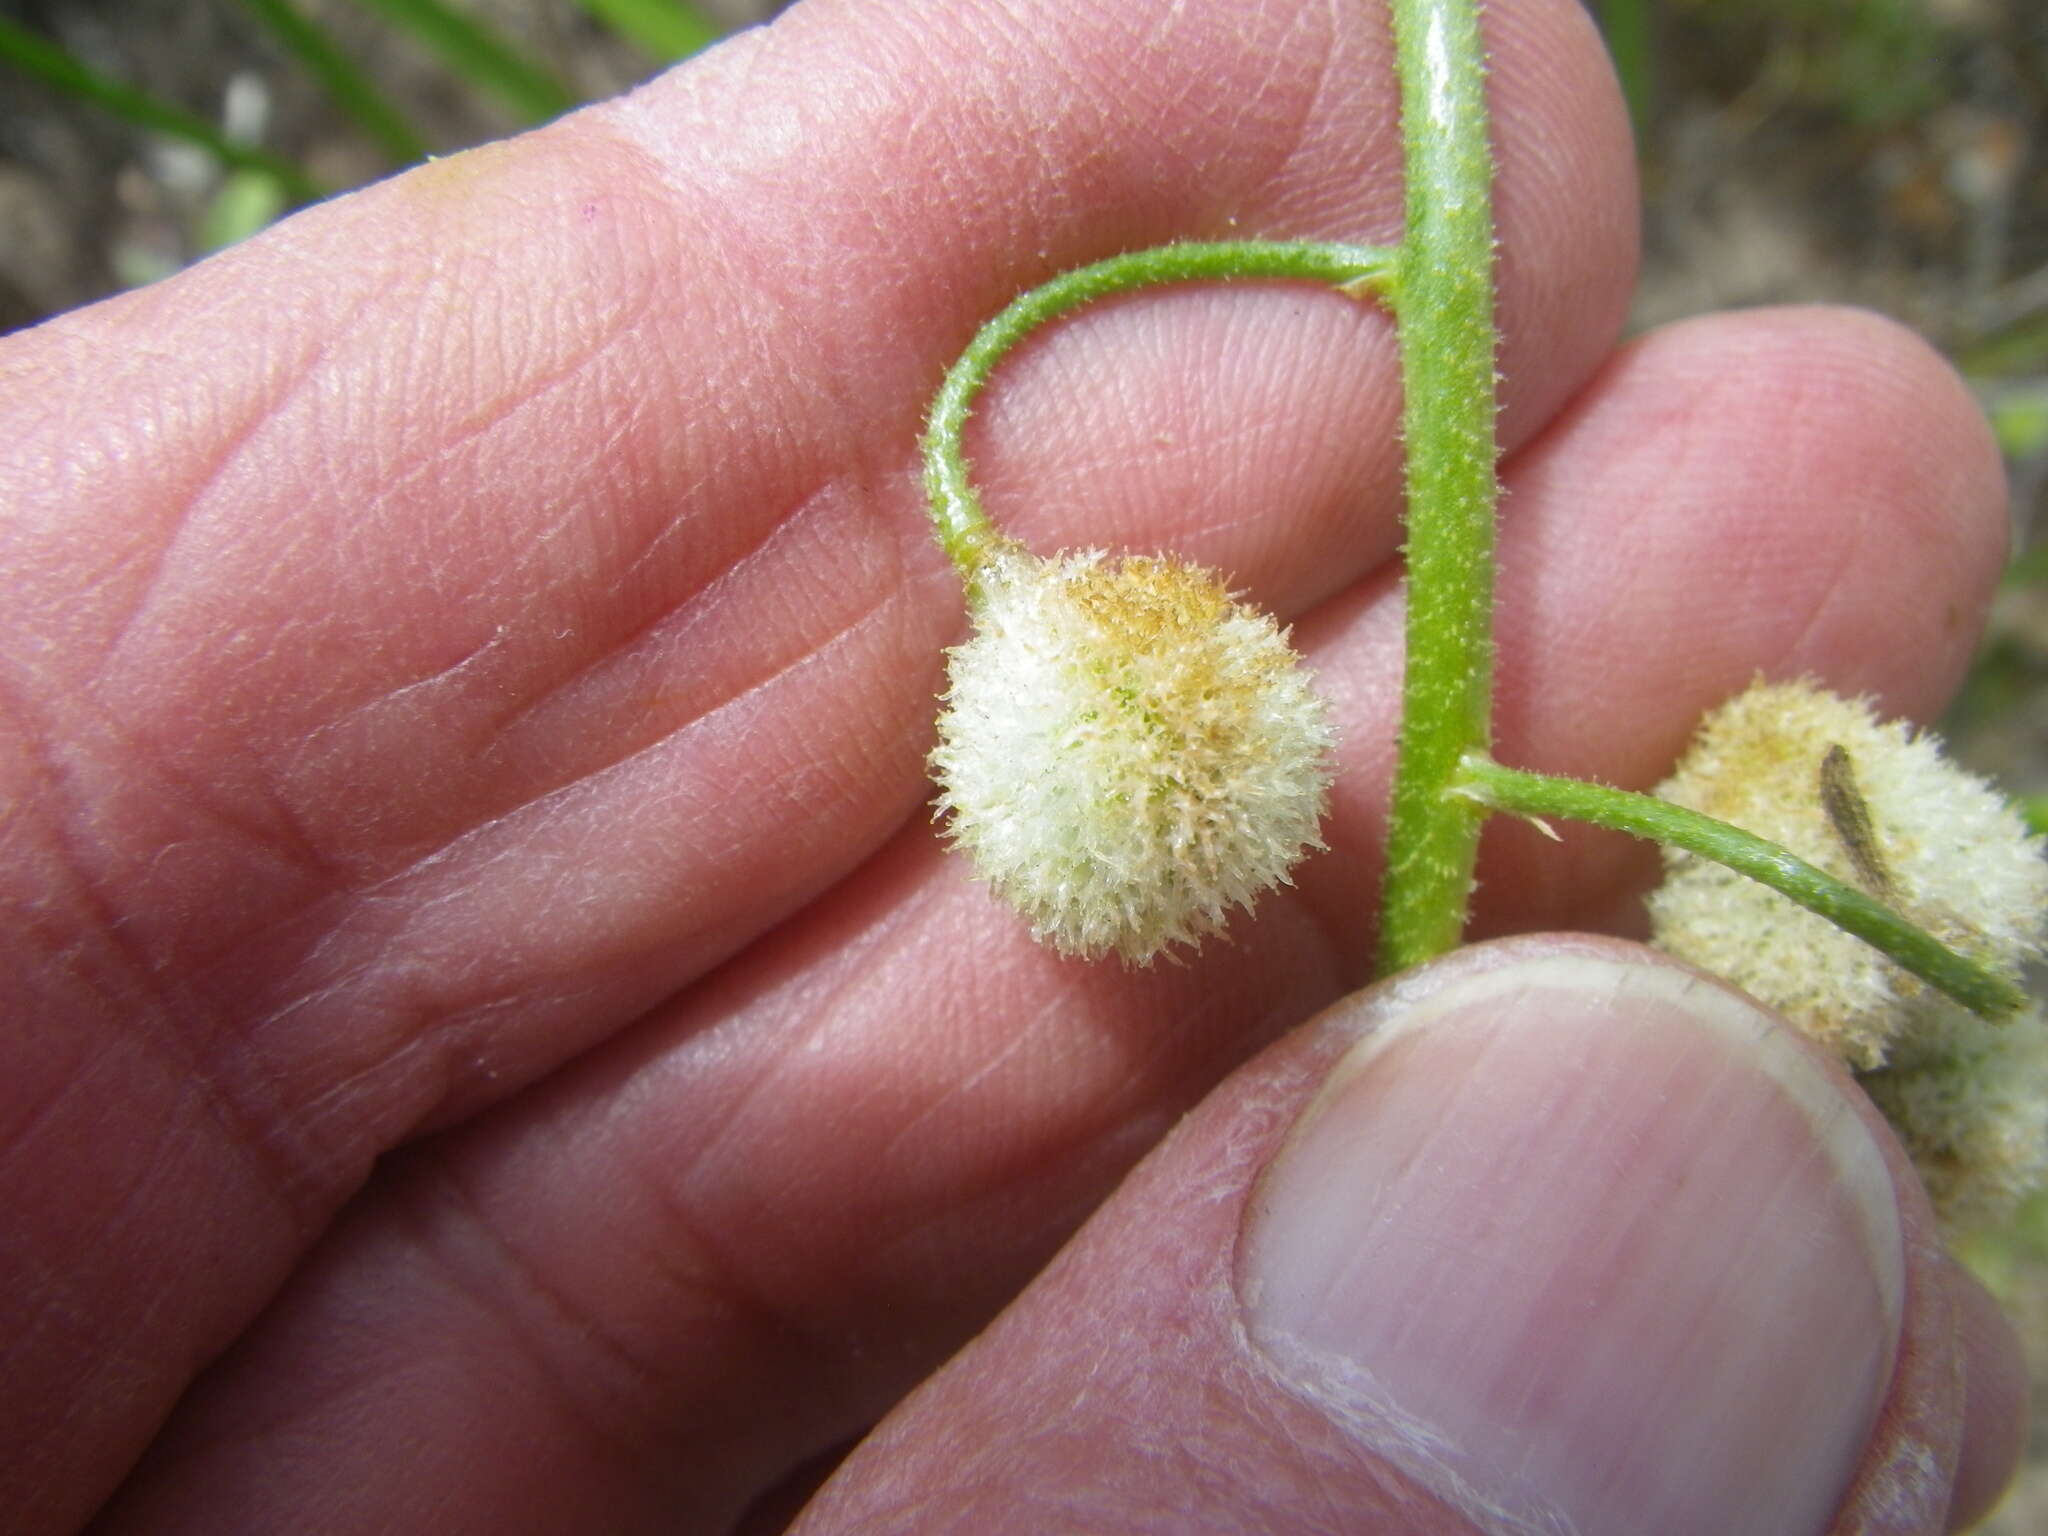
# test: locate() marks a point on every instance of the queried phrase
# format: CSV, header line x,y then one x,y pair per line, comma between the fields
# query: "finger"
x,y
443,627
831,1162
1552,1234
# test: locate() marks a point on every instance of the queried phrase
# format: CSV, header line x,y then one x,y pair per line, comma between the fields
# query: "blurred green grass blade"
x,y
349,86
1626,26
664,30
481,57
2028,568
38,56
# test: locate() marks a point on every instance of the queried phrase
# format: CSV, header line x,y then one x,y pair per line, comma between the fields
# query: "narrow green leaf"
x,y
481,57
38,56
338,75
664,30
1626,26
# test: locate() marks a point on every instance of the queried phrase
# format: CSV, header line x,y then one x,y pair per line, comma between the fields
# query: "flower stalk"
x,y
962,523
1540,795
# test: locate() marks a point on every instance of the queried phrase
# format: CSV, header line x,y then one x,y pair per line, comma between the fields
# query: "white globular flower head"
x,y
1126,752
1971,1107
1877,805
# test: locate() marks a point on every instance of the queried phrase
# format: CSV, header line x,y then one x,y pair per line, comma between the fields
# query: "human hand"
x,y
486,993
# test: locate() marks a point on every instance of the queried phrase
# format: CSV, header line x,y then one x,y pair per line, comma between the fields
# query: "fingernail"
x,y
1584,1243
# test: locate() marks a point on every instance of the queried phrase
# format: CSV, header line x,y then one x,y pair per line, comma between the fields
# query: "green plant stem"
x,y
1443,303
1487,783
664,30
963,526
1626,25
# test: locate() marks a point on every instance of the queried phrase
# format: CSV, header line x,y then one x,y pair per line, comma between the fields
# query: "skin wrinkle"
x,y
845,997
449,445
729,1298
539,1317
1841,572
108,1357
249,1118
51,780
819,1009
432,1026
671,529
699,607
457,672
283,387
684,613
28,1118
912,1128
383,891
264,1157
283,803
1058,389
1297,139
801,258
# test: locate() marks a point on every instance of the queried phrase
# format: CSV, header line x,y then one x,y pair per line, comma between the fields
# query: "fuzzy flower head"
x,y
1878,806
1126,752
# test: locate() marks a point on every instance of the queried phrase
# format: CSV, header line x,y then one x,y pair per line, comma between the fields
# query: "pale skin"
x,y
468,659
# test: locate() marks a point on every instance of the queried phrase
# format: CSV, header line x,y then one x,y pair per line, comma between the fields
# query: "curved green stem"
x,y
1443,302
964,529
1486,783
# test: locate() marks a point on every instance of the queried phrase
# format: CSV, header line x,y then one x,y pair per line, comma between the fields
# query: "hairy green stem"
x,y
1486,783
1443,302
964,529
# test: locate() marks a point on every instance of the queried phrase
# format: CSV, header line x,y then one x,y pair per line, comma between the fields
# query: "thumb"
x,y
1551,1235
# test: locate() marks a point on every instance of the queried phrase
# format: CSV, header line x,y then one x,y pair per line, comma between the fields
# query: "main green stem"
x,y
1443,301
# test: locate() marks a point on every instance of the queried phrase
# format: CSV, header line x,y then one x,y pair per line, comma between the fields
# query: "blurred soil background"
x,y
1891,153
